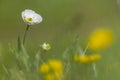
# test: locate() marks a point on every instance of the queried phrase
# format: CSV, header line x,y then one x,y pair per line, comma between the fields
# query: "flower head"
x,y
87,58
100,38
82,58
30,17
52,69
44,68
56,65
46,46
50,77
95,57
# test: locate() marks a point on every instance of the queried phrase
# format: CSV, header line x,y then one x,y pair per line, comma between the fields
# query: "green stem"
x,y
25,34
85,49
94,69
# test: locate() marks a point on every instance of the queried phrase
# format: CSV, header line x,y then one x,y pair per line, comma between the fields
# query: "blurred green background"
x,y
62,20
59,17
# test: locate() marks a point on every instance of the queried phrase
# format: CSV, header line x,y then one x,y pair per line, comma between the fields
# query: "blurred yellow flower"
x,y
50,77
53,70
99,39
59,75
87,58
44,68
82,58
76,57
95,57
46,46
56,65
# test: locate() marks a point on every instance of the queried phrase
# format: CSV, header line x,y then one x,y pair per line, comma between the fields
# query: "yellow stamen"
x,y
28,19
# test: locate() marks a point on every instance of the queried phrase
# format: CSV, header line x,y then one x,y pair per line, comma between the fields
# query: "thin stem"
x,y
25,34
94,69
5,69
80,50
85,50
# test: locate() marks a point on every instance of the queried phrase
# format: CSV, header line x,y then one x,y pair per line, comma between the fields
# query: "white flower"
x,y
46,46
30,17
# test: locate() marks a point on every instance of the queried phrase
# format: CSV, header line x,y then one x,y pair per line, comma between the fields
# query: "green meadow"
x,y
67,26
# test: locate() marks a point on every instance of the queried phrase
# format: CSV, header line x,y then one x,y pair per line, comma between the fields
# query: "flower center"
x,y
28,19
47,47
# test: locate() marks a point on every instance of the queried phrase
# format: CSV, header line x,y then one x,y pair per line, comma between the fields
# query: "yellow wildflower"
x,y
82,58
95,57
56,65
44,68
87,58
76,57
50,77
58,75
53,70
100,38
